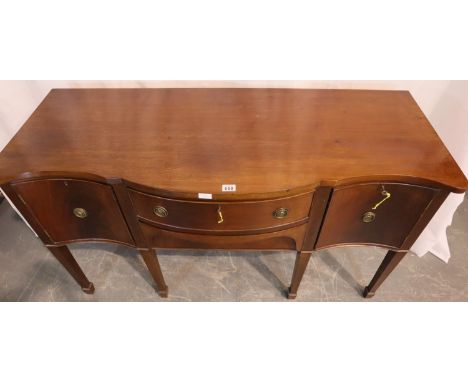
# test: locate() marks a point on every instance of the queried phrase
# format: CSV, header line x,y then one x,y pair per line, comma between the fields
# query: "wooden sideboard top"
x,y
262,140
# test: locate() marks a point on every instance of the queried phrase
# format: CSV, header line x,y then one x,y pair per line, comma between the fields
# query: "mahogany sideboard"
x,y
246,169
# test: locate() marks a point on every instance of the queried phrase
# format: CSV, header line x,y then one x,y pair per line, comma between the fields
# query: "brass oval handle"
x,y
368,217
280,213
220,215
160,211
80,213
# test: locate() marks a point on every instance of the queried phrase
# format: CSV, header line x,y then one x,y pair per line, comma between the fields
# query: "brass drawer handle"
x,y
368,217
280,213
80,213
160,211
220,215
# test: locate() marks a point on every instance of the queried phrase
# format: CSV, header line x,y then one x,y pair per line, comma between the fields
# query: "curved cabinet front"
x,y
381,214
74,210
222,218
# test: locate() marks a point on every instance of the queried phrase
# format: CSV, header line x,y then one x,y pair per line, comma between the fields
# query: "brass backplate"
x,y
280,213
160,211
80,213
368,217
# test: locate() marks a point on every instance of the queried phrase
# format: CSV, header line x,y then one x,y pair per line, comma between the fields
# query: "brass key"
x,y
220,215
387,196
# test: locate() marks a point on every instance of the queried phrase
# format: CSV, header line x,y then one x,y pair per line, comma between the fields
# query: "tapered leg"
x,y
151,261
389,263
302,259
64,256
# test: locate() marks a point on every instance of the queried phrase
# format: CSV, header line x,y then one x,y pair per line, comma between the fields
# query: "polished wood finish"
x,y
393,258
26,213
123,198
263,140
424,219
284,239
92,164
317,213
152,263
302,259
389,263
394,218
53,202
63,255
149,257
197,216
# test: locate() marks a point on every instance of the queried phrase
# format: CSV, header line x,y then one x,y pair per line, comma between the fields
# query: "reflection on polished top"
x,y
261,140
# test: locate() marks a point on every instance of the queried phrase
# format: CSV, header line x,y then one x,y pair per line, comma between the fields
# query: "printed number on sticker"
x,y
228,188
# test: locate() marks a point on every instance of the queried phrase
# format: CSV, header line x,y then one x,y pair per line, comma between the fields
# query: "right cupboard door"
x,y
380,214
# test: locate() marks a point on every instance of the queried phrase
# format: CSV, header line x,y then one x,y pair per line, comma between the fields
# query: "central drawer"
x,y
223,217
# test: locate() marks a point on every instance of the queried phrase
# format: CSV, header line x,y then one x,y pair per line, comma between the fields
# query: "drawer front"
x,y
351,219
287,239
75,210
222,217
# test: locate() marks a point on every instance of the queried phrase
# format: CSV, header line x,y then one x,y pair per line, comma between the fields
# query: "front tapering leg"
x,y
302,259
389,263
64,256
151,261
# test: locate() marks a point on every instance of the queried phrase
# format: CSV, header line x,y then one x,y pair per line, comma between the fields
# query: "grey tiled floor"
x,y
28,272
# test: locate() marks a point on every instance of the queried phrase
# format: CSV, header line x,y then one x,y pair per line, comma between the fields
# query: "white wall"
x,y
445,103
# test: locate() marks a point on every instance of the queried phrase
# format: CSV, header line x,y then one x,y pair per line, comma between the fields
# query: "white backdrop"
x,y
445,103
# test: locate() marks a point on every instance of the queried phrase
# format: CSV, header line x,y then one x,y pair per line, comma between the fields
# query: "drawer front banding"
x,y
222,217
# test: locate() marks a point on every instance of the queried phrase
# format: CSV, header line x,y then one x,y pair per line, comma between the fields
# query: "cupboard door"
x,y
381,214
75,210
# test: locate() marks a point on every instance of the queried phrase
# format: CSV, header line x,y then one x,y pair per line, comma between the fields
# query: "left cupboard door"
x,y
75,210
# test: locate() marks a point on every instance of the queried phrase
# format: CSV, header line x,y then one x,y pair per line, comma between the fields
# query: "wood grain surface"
x,y
262,140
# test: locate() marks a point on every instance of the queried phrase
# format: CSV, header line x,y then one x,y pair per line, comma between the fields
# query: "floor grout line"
x,y
32,279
